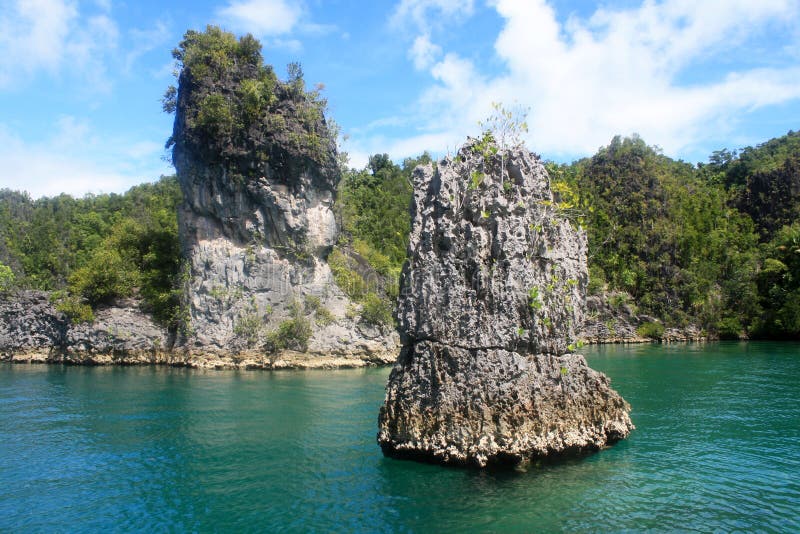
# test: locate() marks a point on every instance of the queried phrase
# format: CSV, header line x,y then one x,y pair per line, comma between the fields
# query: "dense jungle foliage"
x,y
233,110
97,248
716,244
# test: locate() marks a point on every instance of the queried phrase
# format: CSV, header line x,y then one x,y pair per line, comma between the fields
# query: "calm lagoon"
x,y
717,447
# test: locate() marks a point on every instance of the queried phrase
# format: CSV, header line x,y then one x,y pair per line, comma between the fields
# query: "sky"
x,y
81,81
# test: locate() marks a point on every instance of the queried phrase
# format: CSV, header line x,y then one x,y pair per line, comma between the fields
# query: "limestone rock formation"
x,y
257,164
31,329
492,298
611,318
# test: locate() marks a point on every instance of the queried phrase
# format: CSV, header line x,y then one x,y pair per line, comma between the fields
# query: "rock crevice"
x,y
492,299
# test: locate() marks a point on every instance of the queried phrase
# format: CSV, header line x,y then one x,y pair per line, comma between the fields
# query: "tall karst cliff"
x,y
492,297
257,163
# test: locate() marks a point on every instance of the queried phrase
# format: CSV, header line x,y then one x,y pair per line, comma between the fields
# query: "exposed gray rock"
x,y
492,299
29,323
612,318
256,252
121,330
31,329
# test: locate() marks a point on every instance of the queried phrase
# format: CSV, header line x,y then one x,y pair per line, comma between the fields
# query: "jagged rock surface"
x,y
612,318
492,297
31,329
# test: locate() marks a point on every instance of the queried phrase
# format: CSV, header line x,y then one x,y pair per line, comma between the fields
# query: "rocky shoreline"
x,y
33,331
612,318
284,360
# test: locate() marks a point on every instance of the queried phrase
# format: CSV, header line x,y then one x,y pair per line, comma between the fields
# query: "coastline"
x,y
284,360
242,361
32,331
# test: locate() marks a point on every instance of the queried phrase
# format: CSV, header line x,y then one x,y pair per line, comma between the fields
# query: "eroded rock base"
x,y
496,407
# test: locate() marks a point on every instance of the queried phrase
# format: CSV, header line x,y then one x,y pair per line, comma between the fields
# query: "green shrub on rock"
x,y
345,275
106,276
651,330
75,309
293,333
6,278
376,310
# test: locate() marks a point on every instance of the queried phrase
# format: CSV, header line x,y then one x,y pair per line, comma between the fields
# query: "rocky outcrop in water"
x,y
258,168
33,330
492,298
612,317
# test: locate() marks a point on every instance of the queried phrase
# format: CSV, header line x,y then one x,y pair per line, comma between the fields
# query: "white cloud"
x,y
618,71
77,161
262,17
423,52
429,13
144,41
51,36
32,36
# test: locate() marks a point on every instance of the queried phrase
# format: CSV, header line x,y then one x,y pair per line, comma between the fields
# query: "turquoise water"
x,y
156,449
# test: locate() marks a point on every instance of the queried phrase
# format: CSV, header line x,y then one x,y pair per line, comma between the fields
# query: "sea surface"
x,y
717,448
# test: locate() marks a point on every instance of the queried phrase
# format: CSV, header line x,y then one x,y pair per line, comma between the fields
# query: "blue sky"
x,y
80,81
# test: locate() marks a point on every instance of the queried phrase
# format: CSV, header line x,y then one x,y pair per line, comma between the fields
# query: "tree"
x,y
507,126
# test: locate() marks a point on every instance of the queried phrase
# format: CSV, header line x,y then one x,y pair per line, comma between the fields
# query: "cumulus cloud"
x,y
76,160
262,17
276,22
423,52
32,36
616,71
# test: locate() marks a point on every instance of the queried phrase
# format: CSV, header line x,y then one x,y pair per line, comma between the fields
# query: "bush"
x,y
651,330
76,310
291,334
380,262
249,326
618,300
312,303
322,315
105,277
729,328
6,278
376,310
345,275
215,117
597,281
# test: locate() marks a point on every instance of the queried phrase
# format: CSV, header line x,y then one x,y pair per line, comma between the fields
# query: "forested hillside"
x,y
716,245
98,248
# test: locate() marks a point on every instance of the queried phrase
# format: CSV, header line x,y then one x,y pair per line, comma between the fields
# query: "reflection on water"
x,y
717,447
